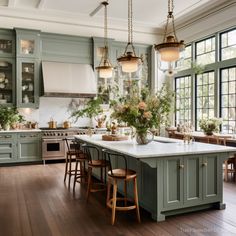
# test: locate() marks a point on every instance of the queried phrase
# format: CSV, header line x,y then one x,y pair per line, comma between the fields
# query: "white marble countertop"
x,y
20,130
160,147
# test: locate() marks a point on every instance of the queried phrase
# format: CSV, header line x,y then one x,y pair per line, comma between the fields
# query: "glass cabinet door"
x,y
6,46
27,82
27,47
6,81
27,86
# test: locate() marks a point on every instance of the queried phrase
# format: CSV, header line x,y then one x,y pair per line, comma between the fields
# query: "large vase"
x,y
144,137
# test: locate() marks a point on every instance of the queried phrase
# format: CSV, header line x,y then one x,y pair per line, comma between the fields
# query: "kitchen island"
x,y
173,177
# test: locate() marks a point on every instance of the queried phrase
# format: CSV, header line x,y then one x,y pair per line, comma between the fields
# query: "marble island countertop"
x,y
160,147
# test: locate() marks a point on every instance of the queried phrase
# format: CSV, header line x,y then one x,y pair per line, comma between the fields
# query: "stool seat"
x,y
122,174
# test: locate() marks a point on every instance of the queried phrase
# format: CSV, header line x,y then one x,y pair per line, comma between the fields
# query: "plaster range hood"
x,y
68,80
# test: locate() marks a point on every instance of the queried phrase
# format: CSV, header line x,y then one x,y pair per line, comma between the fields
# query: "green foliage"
x,y
92,109
144,110
9,115
198,68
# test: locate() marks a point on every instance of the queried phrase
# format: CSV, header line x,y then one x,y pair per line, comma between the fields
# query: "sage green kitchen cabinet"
x,y
18,147
7,81
8,148
28,43
29,147
7,43
190,180
27,83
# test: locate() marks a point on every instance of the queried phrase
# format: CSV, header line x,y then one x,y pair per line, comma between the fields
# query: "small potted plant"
x,y
210,125
9,116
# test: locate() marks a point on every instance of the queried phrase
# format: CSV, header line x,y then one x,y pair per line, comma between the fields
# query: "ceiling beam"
x,y
11,3
41,4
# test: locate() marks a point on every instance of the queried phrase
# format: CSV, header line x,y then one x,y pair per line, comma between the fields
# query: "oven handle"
x,y
51,140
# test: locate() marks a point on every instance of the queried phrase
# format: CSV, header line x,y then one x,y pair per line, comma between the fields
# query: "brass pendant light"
x,y
129,62
105,68
170,50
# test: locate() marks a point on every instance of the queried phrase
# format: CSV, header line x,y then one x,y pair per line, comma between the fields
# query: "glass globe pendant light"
x,y
105,68
170,50
129,62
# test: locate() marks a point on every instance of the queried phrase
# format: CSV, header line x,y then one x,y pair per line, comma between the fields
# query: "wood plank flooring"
x,y
35,201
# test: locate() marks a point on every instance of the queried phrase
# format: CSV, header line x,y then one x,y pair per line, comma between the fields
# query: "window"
x,y
205,98
183,99
214,87
228,45
186,63
228,98
205,51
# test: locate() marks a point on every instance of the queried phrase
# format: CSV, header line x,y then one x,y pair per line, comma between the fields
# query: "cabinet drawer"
x,y
6,137
28,135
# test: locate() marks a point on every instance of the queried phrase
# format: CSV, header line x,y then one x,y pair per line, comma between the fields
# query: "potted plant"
x,y
210,125
9,116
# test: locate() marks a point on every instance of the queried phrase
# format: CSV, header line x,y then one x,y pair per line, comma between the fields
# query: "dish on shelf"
x,y
3,101
2,75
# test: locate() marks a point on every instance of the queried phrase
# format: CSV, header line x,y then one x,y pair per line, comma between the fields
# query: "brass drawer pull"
x,y
7,136
23,136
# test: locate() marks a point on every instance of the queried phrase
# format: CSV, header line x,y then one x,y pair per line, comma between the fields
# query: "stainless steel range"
x,y
53,143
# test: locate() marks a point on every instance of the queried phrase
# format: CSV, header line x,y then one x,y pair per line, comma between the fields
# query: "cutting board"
x,y
114,137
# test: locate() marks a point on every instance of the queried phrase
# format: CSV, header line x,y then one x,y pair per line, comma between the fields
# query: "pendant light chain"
x,y
105,33
170,17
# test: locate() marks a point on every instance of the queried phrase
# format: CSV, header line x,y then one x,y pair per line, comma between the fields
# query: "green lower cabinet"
x,y
193,173
173,182
20,147
29,147
7,148
212,182
191,180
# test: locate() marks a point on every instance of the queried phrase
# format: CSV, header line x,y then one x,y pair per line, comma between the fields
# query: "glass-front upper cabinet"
x,y
7,43
28,43
27,83
7,82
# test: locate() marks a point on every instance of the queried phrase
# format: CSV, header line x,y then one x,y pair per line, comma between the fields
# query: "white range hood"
x,y
68,80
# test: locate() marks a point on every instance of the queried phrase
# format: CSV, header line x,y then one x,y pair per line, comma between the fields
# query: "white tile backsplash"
x,y
53,108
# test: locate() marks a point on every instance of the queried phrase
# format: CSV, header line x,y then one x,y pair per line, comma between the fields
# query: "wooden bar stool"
x,y
70,156
115,175
95,161
80,172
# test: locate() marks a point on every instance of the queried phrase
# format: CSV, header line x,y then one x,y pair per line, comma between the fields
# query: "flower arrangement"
x,y
210,125
143,110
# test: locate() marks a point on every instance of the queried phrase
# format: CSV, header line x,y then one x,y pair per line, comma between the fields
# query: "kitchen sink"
x,y
162,141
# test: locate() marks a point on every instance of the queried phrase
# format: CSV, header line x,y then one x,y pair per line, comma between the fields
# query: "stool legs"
x,y
136,199
89,183
66,168
114,202
108,190
111,202
69,170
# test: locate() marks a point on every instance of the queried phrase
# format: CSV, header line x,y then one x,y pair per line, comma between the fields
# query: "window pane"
x,y
183,99
228,45
228,99
205,51
205,96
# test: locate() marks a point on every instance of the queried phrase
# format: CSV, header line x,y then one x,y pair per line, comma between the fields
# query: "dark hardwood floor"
x,y
35,201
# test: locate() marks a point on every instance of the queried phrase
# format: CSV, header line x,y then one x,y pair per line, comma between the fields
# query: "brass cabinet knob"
x,y
181,166
204,164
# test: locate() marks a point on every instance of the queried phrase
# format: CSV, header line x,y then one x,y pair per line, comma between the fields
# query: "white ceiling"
x,y
151,13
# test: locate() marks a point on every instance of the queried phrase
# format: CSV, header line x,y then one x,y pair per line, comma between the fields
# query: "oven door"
x,y
53,148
